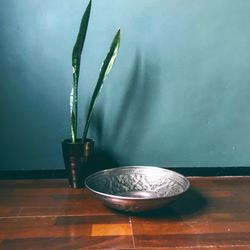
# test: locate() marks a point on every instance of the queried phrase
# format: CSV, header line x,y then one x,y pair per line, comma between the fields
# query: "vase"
x,y
77,159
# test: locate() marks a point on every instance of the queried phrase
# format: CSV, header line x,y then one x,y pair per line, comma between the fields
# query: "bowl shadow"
x,y
188,205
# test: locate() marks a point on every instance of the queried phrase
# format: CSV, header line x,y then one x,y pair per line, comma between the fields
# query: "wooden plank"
x,y
111,229
194,240
66,243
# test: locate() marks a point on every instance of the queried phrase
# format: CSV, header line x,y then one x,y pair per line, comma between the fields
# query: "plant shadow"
x,y
133,113
102,160
137,105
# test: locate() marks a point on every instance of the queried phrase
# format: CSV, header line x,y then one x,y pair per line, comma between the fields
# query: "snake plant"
x,y
76,62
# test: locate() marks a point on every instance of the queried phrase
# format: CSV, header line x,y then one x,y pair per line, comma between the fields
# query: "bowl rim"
x,y
135,198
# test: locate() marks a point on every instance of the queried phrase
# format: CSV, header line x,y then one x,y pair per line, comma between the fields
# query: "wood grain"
x,y
46,214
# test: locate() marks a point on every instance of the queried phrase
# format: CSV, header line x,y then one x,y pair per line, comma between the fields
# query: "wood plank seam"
x,y
131,226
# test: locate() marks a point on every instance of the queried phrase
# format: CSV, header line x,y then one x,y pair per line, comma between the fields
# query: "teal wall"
x,y
178,95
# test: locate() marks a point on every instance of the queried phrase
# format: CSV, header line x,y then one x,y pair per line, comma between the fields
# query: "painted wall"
x,y
178,95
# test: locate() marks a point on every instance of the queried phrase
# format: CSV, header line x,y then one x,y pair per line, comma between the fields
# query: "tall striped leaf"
x,y
76,61
105,69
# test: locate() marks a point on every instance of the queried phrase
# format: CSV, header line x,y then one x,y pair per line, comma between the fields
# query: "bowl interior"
x,y
137,182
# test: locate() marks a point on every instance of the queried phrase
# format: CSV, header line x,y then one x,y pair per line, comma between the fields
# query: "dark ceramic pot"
x,y
77,157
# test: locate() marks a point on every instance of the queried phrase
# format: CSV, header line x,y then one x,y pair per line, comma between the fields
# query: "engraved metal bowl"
x,y
136,188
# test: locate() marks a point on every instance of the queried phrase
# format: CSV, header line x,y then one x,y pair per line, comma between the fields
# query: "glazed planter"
x,y
77,157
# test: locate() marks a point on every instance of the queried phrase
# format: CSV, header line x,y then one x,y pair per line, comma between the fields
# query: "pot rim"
x,y
78,141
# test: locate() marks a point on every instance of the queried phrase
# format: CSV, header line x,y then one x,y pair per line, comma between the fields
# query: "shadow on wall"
x,y
134,115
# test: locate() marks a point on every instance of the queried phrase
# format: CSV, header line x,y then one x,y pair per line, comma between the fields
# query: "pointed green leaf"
x,y
105,69
77,50
76,61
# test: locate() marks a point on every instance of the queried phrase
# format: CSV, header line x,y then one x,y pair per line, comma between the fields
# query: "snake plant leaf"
x,y
105,69
73,126
77,50
76,61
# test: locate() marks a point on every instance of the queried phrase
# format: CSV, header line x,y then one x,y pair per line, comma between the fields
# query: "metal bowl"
x,y
136,188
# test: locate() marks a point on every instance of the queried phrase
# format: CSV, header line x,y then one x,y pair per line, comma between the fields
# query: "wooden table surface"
x,y
46,214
